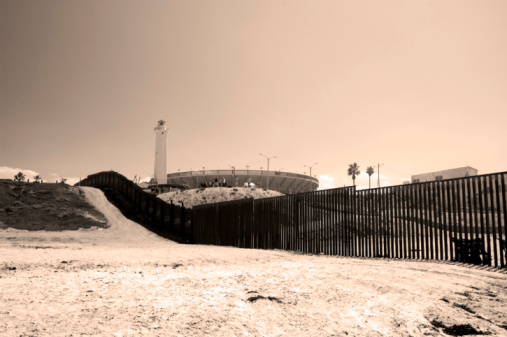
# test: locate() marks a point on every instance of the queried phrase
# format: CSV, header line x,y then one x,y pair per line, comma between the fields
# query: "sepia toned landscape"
x,y
253,168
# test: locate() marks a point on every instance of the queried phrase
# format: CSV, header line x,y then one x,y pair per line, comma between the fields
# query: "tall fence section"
x,y
458,220
166,218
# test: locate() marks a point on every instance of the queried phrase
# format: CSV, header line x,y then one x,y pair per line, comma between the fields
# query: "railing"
x,y
165,218
458,220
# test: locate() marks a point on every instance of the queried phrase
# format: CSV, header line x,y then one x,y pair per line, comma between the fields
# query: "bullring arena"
x,y
284,182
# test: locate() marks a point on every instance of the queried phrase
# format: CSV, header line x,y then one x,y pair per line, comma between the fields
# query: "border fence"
x,y
460,219
166,218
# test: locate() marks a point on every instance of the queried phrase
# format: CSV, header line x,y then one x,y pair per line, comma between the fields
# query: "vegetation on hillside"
x,y
19,177
50,207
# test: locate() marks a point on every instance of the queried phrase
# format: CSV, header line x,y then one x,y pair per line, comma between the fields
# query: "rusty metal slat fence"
x,y
461,219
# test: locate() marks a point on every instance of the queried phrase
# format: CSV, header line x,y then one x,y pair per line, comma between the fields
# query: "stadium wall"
x,y
284,182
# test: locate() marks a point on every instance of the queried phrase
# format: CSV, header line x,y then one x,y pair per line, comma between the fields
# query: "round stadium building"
x,y
284,182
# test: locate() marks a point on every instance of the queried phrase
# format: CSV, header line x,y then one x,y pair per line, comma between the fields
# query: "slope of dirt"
x,y
191,198
50,207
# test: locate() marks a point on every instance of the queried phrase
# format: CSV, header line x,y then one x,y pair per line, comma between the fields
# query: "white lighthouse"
x,y
160,175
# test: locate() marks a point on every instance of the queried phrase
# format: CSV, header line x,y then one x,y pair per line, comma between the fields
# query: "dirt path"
x,y
125,281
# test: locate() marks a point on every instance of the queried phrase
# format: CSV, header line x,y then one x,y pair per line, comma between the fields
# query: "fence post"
x,y
183,219
503,246
161,212
494,208
171,219
146,205
192,233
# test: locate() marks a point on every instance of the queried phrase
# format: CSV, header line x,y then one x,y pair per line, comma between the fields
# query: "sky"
x,y
405,86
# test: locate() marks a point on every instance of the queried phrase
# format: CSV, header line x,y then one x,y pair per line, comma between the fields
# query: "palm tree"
x,y
353,171
19,177
370,171
37,178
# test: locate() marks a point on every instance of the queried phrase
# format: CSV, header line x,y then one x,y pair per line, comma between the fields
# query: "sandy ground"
x,y
126,281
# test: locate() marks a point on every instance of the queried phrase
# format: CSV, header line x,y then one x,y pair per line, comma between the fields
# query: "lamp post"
x,y
268,158
234,174
267,172
310,168
378,174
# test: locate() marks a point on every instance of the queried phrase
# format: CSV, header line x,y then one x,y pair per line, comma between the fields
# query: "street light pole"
x,y
267,172
268,158
234,173
310,168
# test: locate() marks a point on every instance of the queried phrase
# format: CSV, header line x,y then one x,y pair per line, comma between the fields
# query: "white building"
x,y
460,172
160,174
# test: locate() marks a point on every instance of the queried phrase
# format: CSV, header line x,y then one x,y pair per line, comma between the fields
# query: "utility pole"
x,y
268,158
267,173
310,168
234,174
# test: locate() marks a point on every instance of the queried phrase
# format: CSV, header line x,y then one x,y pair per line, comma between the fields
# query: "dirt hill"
x,y
191,198
51,207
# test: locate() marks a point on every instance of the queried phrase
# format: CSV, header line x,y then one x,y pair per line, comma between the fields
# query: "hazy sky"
x,y
420,86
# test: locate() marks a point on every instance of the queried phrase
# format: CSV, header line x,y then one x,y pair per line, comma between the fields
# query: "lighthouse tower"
x,y
160,175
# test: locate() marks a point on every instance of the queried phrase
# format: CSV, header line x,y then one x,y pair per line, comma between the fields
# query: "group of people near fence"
x,y
222,182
